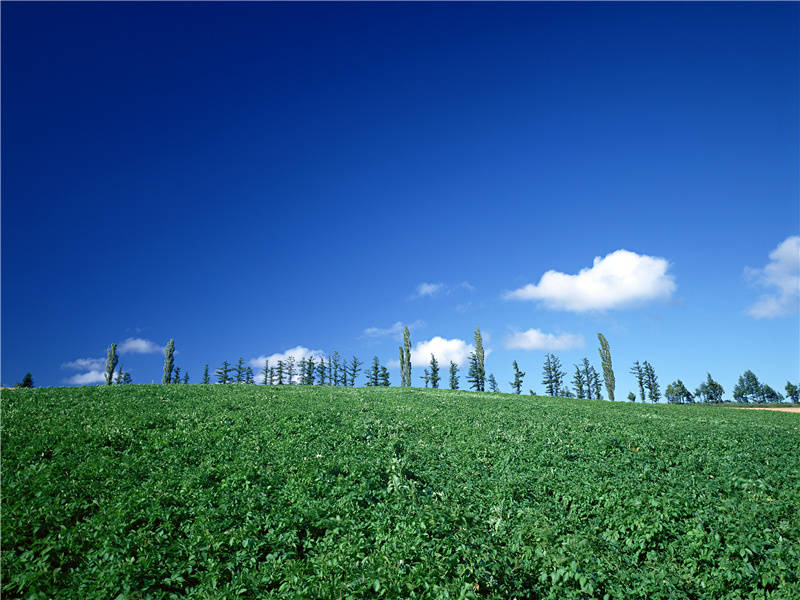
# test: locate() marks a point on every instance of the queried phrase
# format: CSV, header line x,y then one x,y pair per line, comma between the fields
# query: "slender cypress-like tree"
x,y
516,384
186,377
492,383
605,363
265,371
290,372
205,379
407,354
638,372
176,378
453,376
111,363
547,376
480,356
169,362
402,367
279,372
434,372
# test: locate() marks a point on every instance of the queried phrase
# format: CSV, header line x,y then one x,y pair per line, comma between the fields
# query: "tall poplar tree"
x,y
111,363
516,384
407,354
453,376
479,354
402,367
169,362
605,363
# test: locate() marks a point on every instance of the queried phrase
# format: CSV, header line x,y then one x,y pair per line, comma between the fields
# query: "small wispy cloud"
x,y
88,378
85,364
395,331
782,276
535,339
437,289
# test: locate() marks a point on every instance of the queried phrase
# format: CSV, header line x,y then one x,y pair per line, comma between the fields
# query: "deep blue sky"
x,y
248,178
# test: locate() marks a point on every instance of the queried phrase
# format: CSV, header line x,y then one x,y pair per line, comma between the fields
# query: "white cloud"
x,y
443,349
782,275
619,279
90,377
138,346
428,289
395,330
88,364
298,352
535,339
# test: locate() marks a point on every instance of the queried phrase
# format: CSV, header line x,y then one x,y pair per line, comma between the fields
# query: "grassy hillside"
x,y
252,492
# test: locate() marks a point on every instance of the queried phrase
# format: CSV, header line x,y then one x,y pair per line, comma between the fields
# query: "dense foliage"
x,y
318,492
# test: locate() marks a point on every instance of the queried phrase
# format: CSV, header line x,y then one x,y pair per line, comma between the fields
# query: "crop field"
x,y
314,492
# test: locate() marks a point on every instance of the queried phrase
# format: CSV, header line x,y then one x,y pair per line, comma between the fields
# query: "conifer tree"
x,y
290,372
265,371
223,373
578,382
240,370
118,378
492,383
631,397
596,385
331,379
205,379
272,375
169,362
186,377
434,372
638,372
552,375
355,369
453,376
373,373
176,378
426,376
310,366
111,363
27,381
334,368
547,376
126,378
651,382
384,376
407,354
792,392
248,375
279,372
301,370
479,355
321,371
516,384
605,363
474,373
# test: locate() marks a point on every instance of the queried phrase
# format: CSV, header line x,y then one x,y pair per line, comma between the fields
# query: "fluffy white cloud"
x,y
139,346
88,378
395,330
298,353
782,276
443,349
535,339
428,289
86,364
619,279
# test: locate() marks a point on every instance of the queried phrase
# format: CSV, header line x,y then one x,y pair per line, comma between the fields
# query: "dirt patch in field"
x,y
794,409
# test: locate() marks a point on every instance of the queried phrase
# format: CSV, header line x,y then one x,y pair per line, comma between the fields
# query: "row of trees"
x,y
586,380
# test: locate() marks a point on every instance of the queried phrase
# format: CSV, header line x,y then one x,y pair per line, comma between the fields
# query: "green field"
x,y
298,492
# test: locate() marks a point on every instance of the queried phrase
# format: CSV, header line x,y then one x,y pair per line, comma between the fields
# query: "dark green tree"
x,y
516,384
605,364
126,378
205,380
474,376
248,375
118,377
435,379
310,369
27,381
402,367
676,393
111,363
373,372
240,370
480,356
176,378
224,373
265,371
384,376
631,397
792,392
769,394
290,371
709,390
638,372
578,382
552,375
407,354
279,372
321,371
426,376
353,370
492,383
169,362
186,377
596,385
651,382
748,388
453,376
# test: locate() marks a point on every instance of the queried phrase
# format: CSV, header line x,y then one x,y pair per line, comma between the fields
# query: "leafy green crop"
x,y
300,492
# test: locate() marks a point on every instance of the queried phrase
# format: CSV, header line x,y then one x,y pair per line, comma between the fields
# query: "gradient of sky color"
x,y
250,178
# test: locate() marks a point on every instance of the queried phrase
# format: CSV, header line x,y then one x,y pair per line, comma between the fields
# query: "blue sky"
x,y
252,178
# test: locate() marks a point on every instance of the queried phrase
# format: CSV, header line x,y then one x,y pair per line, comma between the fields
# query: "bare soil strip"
x,y
793,409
